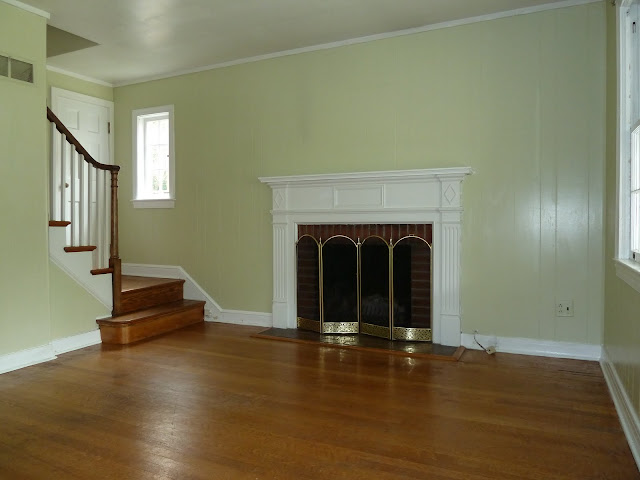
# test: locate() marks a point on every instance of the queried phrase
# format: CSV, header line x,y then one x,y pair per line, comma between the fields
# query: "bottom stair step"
x,y
135,326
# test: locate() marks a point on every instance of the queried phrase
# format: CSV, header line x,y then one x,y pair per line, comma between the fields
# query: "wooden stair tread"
x,y
101,271
59,223
82,248
131,282
151,313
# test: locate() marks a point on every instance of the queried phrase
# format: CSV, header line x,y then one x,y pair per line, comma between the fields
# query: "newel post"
x,y
114,257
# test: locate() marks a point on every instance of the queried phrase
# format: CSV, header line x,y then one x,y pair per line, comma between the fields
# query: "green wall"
x,y
73,309
24,262
622,303
520,99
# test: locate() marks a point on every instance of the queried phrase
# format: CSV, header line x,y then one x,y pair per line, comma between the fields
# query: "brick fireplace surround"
x,y
432,196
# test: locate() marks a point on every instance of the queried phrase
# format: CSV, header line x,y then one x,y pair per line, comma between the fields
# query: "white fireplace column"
x,y
400,196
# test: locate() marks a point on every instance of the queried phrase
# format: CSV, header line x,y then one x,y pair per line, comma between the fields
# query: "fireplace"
x,y
338,202
372,279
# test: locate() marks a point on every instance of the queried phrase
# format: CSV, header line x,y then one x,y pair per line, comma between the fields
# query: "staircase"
x,y
84,202
149,307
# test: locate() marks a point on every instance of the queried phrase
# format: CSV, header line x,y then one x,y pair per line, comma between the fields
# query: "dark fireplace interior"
x,y
359,283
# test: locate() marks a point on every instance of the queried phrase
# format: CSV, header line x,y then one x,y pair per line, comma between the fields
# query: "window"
x,y
16,69
628,193
154,158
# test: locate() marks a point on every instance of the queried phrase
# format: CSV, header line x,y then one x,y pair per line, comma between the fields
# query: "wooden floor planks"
x,y
209,402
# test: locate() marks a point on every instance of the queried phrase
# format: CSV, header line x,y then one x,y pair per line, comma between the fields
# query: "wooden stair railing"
x,y
93,218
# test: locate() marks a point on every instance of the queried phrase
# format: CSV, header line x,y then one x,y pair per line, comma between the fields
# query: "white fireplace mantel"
x,y
399,196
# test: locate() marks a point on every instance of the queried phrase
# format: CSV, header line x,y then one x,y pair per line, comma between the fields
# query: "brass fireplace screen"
x,y
369,279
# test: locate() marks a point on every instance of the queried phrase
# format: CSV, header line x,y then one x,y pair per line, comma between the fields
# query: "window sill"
x,y
154,203
629,271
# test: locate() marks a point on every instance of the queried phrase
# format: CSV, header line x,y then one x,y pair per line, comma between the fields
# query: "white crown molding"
x,y
536,347
85,78
27,8
365,39
626,411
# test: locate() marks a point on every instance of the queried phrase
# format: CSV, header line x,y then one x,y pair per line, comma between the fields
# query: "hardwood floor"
x,y
209,402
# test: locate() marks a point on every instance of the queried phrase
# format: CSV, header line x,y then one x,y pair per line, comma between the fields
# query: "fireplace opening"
x,y
369,279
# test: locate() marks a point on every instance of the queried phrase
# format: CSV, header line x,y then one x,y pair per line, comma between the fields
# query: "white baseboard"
x,y
240,317
26,358
213,311
626,412
76,342
530,346
46,353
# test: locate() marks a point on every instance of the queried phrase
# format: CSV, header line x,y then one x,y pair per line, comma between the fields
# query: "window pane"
x,y
21,71
4,66
157,155
635,159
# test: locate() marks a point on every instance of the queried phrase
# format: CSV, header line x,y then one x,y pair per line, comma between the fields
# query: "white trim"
x,y
58,93
353,177
626,411
28,8
242,317
26,358
629,271
48,352
192,290
154,203
531,346
76,342
365,39
85,78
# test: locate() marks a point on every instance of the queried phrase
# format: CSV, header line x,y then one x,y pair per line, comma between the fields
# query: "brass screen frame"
x,y
415,334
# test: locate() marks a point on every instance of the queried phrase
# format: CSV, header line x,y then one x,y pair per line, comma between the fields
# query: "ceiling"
x,y
141,39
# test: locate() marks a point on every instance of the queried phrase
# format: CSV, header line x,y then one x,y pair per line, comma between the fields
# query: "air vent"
x,y
16,69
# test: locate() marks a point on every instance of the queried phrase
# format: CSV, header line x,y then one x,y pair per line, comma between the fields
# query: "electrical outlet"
x,y
564,308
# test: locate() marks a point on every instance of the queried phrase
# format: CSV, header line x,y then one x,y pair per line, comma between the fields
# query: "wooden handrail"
x,y
79,148
115,264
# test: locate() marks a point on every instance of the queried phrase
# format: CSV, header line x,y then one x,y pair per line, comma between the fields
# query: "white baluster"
x,y
64,148
107,218
82,204
74,196
53,201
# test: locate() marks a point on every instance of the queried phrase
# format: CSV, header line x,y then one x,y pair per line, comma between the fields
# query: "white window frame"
x,y
139,199
628,67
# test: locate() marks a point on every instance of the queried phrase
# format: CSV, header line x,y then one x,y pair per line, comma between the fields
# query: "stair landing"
x,y
149,307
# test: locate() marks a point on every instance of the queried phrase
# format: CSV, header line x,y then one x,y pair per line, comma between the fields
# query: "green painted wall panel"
x,y
73,309
24,263
520,99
